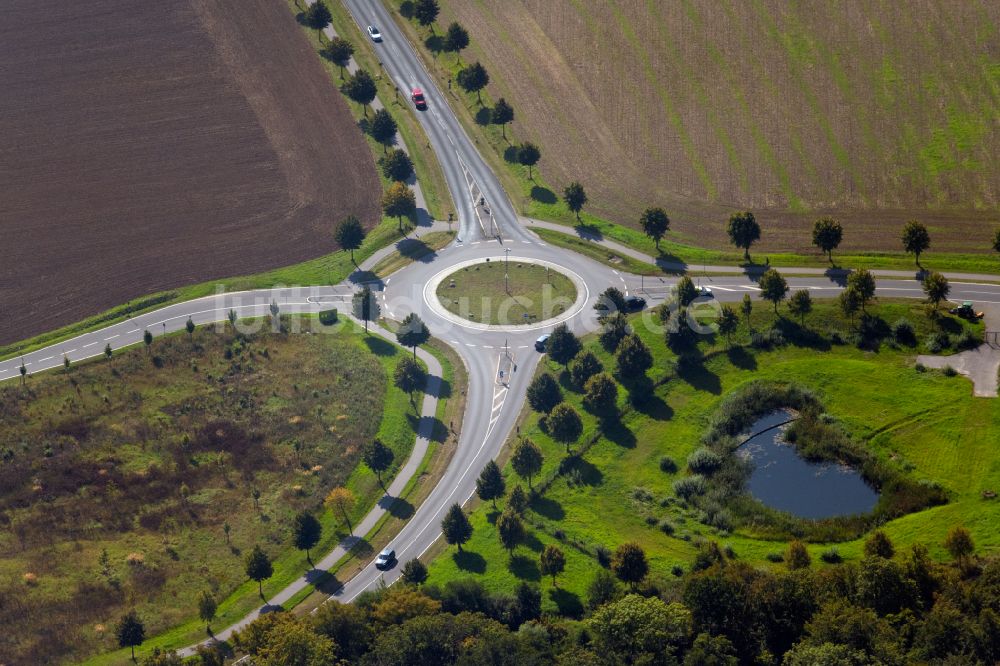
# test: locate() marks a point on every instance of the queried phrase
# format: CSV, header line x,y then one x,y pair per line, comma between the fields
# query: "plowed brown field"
x,y
155,144
874,111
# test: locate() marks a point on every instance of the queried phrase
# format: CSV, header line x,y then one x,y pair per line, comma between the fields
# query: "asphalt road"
x,y
493,403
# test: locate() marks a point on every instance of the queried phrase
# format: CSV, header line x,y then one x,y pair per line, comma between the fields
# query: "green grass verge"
x,y
416,249
926,423
534,293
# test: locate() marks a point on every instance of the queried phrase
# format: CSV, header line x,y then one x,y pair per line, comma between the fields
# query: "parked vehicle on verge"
x,y
966,311
385,559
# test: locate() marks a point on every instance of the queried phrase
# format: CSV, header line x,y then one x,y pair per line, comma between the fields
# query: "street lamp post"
x,y
506,269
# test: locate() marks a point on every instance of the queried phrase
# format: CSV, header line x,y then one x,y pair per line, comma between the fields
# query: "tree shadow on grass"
x,y
524,567
328,584
741,358
543,195
642,397
397,507
549,508
440,389
510,154
617,432
416,250
699,377
586,231
567,602
380,347
533,542
587,473
800,336
469,561
271,608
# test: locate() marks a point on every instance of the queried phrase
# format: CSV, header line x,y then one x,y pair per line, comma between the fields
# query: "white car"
x,y
705,291
374,34
385,559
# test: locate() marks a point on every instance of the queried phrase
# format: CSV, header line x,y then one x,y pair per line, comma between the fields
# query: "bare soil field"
x,y
152,145
870,111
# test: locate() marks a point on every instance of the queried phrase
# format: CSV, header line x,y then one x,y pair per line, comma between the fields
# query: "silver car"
x,y
385,559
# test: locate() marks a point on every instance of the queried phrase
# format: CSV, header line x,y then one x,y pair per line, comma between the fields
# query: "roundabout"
x,y
512,294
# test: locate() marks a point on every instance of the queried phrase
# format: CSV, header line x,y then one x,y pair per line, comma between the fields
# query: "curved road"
x,y
493,403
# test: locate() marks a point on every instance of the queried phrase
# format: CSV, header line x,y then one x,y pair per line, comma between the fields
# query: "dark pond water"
x,y
783,480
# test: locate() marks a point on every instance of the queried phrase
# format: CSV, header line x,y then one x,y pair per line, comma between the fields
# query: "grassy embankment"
x,y
535,293
926,424
536,198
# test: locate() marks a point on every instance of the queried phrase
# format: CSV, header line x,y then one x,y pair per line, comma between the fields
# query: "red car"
x,y
418,99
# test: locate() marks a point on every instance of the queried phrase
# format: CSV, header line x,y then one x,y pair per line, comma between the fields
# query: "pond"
x,y
783,480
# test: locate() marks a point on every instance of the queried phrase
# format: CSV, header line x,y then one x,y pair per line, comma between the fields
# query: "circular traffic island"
x,y
499,293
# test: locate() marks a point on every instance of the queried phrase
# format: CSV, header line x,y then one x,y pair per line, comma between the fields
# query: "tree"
x,y
503,113
564,424
456,526
383,129
130,632
206,609
66,361
378,458
528,155
342,500
518,500
800,304
773,287
275,319
640,630
746,307
510,530
916,239
797,556
562,345
318,16
655,224
959,544
633,357
456,39
350,235
629,563
602,589
827,234
414,572
728,322
490,485
936,288
863,282
544,393
399,202
426,11
686,291
584,366
339,52
189,327
231,316
473,79
397,165
412,332
147,339
575,198
258,568
850,302
107,355
613,331
365,306
601,394
409,376
361,88
709,650
306,531
743,231
996,241
610,301
526,460
879,545
551,562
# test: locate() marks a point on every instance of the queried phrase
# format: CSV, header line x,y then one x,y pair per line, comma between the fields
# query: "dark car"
x,y
418,99
634,303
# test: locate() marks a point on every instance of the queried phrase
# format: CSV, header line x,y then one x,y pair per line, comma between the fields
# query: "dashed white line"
x,y
113,336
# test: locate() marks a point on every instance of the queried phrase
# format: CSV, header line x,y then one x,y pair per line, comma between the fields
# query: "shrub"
x,y
831,556
603,556
641,494
775,557
968,340
651,520
767,339
904,333
328,317
677,570
728,551
667,465
667,527
689,486
949,371
836,337
936,342
921,367
704,461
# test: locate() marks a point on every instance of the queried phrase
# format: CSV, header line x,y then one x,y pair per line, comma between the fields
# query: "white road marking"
x,y
90,344
43,360
116,335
